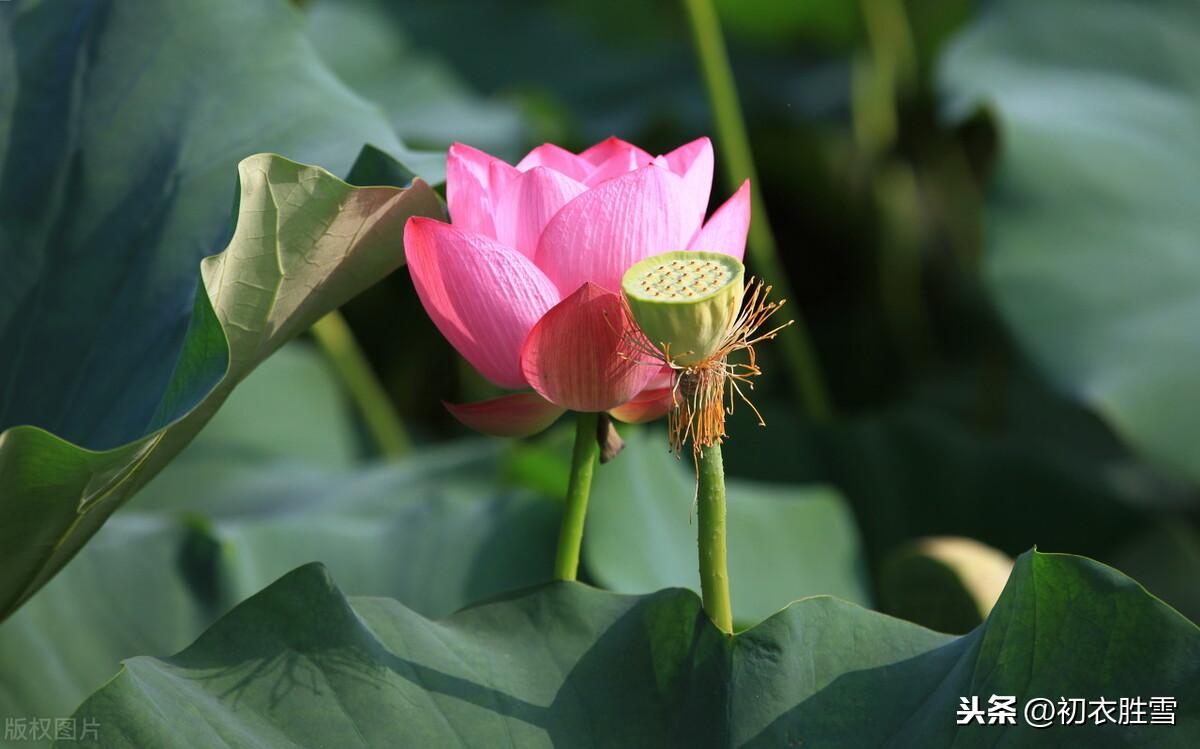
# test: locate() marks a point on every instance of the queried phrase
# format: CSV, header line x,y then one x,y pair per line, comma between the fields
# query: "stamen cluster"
x,y
703,392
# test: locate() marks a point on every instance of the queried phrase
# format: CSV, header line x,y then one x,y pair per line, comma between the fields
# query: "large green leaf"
x,y
124,123
785,541
1091,232
266,487
568,665
305,242
430,534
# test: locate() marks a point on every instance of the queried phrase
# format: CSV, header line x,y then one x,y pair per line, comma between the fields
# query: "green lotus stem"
x,y
583,465
734,144
710,511
336,339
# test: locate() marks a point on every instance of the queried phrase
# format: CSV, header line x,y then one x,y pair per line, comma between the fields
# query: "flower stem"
x,y
583,464
336,339
710,500
739,164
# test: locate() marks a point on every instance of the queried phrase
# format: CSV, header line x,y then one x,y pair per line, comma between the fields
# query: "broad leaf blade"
x,y
300,665
305,243
127,122
123,126
264,488
1065,626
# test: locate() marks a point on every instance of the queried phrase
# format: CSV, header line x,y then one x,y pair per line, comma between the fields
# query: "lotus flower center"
x,y
680,280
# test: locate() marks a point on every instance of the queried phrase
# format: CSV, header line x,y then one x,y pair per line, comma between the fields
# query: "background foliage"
x,y
983,210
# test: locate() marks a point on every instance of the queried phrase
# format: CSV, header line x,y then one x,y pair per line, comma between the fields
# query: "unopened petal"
x,y
515,415
577,355
484,297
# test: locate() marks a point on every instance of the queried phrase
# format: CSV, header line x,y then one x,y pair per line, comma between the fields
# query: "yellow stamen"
x,y
703,393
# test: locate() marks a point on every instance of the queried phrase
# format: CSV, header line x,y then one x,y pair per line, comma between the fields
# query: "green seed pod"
x,y
686,299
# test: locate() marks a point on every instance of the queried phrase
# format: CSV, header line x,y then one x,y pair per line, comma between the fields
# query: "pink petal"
x,y
483,296
515,415
648,405
557,158
694,162
726,230
598,235
473,181
695,153
664,378
612,158
577,357
611,147
528,203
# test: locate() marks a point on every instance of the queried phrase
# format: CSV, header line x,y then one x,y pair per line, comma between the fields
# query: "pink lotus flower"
x,y
525,281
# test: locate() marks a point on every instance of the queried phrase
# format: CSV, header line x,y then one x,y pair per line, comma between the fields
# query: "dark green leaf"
x,y
567,665
264,488
305,242
124,125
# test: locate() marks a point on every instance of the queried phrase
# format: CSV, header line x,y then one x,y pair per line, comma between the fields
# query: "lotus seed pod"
x,y
686,300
